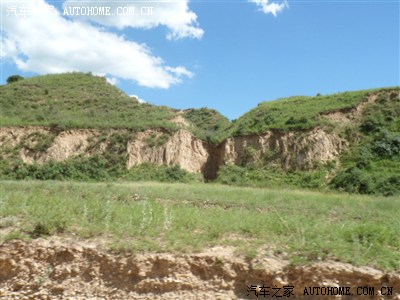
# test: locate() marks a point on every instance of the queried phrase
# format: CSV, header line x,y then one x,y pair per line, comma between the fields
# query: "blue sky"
x,y
225,55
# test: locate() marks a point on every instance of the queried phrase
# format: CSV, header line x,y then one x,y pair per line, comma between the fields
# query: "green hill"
x,y
371,163
208,124
368,123
77,100
296,113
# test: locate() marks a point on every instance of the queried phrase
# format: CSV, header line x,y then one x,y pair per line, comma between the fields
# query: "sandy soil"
x,y
60,268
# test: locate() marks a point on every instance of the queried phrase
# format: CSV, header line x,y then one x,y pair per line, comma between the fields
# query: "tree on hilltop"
x,y
14,78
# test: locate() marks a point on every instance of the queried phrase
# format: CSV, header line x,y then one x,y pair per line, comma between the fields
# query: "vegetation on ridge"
x,y
296,113
81,100
77,100
209,124
370,165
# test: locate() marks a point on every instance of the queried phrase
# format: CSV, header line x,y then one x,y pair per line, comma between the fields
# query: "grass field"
x,y
304,225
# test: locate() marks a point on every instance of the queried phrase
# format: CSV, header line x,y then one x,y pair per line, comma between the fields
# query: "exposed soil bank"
x,y
55,269
291,150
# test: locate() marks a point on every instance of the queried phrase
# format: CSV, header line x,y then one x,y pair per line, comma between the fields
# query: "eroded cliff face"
x,y
292,150
43,144
69,268
181,148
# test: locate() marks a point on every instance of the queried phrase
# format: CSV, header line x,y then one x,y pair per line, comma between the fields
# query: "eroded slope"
x,y
56,269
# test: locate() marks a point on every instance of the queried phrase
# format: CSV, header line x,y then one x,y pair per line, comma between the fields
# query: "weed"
x,y
359,229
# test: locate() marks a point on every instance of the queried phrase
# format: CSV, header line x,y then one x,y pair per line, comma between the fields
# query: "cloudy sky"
x,y
226,55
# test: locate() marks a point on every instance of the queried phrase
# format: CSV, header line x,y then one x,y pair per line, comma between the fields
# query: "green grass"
x,y
273,176
372,164
209,124
308,226
296,113
77,100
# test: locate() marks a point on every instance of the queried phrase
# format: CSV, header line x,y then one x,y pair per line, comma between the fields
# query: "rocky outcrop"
x,y
11,137
292,150
43,144
180,147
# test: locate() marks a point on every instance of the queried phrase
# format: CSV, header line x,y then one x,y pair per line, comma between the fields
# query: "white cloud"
x,y
180,71
8,48
175,15
138,99
53,44
270,8
112,80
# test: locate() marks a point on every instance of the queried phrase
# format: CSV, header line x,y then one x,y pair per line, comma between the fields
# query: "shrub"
x,y
389,186
386,145
14,78
151,172
231,174
298,123
79,168
353,180
370,125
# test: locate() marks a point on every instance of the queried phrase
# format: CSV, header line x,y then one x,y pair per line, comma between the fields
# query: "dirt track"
x,y
59,269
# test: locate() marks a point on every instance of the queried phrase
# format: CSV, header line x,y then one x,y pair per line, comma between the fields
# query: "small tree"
x,y
14,78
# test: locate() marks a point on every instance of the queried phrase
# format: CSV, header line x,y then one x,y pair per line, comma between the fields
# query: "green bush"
x,y
96,168
299,123
353,180
14,78
268,176
373,162
389,186
231,174
79,168
370,125
387,144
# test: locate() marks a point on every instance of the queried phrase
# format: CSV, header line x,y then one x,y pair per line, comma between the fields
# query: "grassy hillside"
x,y
303,226
208,123
370,165
295,113
84,101
77,100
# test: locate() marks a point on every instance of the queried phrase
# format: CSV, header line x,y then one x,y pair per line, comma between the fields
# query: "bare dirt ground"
x,y
56,268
